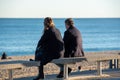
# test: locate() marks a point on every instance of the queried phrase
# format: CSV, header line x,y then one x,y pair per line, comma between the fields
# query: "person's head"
x,y
48,23
69,23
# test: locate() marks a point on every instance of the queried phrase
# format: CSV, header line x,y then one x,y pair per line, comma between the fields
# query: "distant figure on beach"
x,y
49,47
4,56
72,42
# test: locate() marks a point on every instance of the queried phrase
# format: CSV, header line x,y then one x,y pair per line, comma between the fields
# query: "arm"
x,y
67,44
43,39
66,37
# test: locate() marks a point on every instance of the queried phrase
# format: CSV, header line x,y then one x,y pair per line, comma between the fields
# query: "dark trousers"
x,y
41,67
39,57
61,66
44,59
41,71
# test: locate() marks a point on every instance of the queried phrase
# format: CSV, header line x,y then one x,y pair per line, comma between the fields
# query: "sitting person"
x,y
49,47
73,44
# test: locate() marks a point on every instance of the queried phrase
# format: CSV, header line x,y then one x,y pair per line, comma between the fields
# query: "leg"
x,y
61,67
99,68
61,74
78,66
40,74
10,74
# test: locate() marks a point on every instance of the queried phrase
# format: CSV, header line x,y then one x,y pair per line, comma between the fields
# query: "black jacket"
x,y
73,43
52,45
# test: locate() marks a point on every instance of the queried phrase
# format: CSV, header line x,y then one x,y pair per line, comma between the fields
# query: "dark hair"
x,y
48,22
69,22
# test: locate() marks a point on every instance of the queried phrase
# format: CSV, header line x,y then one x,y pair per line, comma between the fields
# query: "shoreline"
x,y
103,51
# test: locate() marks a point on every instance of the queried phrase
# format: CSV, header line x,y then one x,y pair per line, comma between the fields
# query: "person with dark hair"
x,y
49,47
72,43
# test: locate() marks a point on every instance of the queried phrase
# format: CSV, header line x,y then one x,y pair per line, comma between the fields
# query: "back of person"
x,y
52,45
73,42
49,47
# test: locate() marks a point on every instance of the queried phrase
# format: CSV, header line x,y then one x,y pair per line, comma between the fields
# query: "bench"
x,y
99,58
10,65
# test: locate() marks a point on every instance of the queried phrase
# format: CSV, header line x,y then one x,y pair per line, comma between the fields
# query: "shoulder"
x,y
76,30
71,30
55,30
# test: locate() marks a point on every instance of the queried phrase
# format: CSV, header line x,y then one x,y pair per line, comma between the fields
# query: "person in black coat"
x,y
49,47
72,43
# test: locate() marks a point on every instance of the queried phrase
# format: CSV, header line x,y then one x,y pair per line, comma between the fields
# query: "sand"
x,y
50,68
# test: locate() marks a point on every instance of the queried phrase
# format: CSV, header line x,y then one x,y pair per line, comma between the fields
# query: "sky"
x,y
59,8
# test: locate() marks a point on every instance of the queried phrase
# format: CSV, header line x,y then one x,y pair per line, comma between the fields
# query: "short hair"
x,y
69,22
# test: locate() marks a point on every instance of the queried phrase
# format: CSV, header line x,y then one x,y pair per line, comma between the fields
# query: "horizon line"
x,y
60,17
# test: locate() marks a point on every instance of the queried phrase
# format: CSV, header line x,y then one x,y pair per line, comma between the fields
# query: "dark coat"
x,y
51,44
73,43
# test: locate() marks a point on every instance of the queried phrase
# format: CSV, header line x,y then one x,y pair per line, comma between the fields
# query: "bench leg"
x,y
65,71
118,63
99,68
110,64
113,64
10,74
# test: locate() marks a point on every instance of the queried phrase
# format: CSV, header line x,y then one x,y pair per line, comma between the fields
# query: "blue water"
x,y
19,36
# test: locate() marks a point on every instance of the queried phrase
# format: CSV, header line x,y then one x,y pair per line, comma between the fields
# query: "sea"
x,y
19,36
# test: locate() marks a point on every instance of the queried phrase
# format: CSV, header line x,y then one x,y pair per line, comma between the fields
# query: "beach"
x,y
50,68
